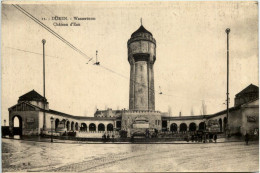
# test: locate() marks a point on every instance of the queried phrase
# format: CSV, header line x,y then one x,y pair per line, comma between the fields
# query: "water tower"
x,y
141,56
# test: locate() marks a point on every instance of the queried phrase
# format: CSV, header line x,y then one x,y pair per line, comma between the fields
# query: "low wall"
x,y
98,134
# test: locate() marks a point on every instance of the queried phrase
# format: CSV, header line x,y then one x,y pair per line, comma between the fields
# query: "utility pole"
x,y
44,116
227,31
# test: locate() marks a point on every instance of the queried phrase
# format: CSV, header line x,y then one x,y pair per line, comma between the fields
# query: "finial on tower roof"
x,y
141,22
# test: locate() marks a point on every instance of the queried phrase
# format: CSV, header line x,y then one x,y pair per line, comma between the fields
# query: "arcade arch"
x,y
68,125
57,122
192,127
83,127
77,126
225,123
220,124
101,127
202,126
174,127
110,127
72,126
92,127
183,127
17,125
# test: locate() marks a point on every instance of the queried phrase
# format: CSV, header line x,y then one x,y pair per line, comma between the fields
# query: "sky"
x,y
190,65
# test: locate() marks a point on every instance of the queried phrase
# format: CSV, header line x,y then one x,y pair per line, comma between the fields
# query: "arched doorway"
x,y
202,126
118,125
57,122
17,124
72,126
101,127
83,127
225,123
164,125
68,125
173,127
183,127
92,127
110,127
77,126
220,124
192,127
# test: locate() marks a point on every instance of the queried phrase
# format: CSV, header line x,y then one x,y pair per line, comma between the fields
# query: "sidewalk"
x,y
44,139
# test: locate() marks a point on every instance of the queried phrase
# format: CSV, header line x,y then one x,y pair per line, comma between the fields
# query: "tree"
x,y
191,112
203,110
169,110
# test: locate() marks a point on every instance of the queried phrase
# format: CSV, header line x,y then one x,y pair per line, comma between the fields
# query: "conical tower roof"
x,y
141,29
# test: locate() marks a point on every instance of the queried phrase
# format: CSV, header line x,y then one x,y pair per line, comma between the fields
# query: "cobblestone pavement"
x,y
20,155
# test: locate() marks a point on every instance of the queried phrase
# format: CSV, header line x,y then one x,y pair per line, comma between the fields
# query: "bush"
x,y
237,134
71,134
123,134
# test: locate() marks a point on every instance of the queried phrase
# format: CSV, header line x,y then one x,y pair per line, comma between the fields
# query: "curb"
x,y
88,142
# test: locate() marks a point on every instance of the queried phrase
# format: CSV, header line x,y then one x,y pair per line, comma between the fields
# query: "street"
x,y
20,155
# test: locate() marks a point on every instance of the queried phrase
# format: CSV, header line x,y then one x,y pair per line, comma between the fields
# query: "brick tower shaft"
x,y
141,57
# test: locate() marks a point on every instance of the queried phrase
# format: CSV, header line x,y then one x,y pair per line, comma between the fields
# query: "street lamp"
x,y
52,119
227,127
44,116
204,131
4,122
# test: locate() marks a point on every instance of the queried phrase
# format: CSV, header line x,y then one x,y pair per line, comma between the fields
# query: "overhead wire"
x,y
22,50
66,42
50,30
83,54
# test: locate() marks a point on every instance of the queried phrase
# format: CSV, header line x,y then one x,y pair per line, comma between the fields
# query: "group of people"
x,y
203,138
106,138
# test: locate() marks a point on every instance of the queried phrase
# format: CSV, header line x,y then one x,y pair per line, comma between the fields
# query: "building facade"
x,y
243,117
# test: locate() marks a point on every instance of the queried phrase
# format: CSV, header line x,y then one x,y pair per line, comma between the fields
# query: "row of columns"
x,y
69,126
88,127
187,126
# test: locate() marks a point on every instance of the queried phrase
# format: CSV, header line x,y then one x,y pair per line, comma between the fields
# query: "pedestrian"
x,y
156,132
113,137
188,138
247,138
192,138
204,138
104,137
215,138
108,137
